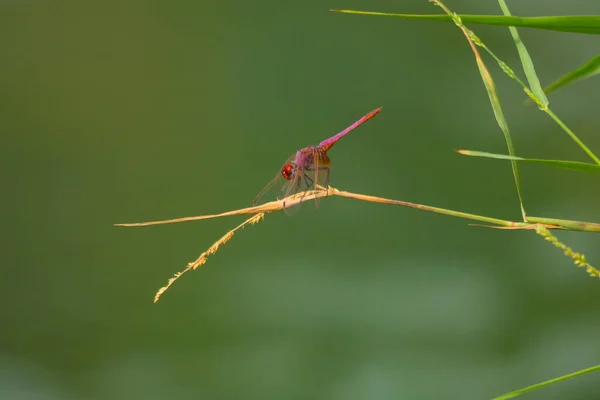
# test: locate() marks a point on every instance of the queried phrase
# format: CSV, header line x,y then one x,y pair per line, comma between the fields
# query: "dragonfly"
x,y
309,166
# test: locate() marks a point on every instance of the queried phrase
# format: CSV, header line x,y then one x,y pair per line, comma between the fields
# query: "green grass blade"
x,y
497,108
590,68
474,39
526,61
566,23
572,135
546,383
570,165
589,24
490,88
567,224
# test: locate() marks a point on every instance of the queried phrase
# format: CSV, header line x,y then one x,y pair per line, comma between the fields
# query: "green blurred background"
x,y
142,110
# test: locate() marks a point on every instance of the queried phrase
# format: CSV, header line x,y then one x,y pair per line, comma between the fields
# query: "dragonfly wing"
x,y
264,190
277,182
321,179
293,186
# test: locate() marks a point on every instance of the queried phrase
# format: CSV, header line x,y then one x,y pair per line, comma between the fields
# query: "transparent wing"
x,y
295,186
277,185
321,180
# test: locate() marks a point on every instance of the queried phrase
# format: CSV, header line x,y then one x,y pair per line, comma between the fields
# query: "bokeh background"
x,y
123,111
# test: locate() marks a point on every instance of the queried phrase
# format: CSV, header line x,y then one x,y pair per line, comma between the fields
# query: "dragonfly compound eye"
x,y
286,171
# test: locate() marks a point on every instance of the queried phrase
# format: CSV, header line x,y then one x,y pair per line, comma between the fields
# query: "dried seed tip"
x,y
159,293
200,261
257,218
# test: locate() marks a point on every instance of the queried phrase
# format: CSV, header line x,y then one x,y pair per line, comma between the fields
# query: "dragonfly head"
x,y
287,171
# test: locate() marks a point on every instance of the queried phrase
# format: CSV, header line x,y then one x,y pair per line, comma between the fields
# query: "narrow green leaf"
x,y
490,88
526,61
589,24
497,108
567,223
546,383
571,165
572,135
590,68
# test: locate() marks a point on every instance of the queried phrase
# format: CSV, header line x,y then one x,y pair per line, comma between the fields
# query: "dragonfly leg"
x,y
304,192
306,180
327,169
325,182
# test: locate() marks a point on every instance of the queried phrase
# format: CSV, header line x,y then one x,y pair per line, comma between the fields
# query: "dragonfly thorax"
x,y
288,171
